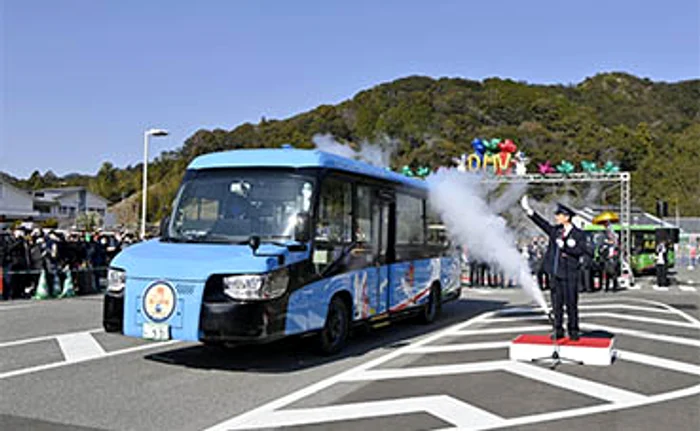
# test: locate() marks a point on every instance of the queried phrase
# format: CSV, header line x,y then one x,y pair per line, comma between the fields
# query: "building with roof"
x,y
66,203
15,203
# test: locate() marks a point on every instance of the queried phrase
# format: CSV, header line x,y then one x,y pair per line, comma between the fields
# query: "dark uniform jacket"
x,y
565,262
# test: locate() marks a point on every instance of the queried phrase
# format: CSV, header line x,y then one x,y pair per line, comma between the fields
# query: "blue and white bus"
x,y
263,244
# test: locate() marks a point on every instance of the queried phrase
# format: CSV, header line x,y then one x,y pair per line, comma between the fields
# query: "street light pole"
x,y
144,191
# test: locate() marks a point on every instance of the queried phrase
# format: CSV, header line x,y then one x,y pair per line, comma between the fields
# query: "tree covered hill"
x,y
649,128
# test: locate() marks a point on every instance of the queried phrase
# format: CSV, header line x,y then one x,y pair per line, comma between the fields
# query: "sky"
x,y
80,80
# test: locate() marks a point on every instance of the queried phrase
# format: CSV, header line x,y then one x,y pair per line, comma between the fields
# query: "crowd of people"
x,y
600,271
28,254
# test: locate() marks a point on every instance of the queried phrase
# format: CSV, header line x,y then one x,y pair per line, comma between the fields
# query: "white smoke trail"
x,y
458,198
377,154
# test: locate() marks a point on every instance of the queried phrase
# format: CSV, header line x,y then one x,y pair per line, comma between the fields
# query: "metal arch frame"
x,y
617,177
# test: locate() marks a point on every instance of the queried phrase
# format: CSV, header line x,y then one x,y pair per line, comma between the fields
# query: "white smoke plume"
x,y
458,198
377,154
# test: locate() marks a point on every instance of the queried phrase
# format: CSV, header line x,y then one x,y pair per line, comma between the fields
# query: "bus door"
x,y
371,245
381,206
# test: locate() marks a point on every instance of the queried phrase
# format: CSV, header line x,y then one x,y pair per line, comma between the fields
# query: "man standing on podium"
x,y
567,244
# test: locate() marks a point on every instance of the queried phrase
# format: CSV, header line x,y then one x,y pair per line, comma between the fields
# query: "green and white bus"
x,y
643,244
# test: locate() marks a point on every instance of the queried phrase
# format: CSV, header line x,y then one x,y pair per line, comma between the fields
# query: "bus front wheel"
x,y
336,329
432,309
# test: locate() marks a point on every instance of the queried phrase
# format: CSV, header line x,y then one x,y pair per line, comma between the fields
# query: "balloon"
x,y
508,146
491,146
589,167
565,167
406,170
545,168
611,168
478,146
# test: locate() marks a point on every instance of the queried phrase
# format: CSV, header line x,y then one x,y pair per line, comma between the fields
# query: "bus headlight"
x,y
256,287
116,280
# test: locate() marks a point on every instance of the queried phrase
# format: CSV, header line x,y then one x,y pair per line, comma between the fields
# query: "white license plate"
x,y
156,331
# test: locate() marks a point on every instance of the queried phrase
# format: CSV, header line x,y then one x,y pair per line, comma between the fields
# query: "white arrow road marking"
x,y
79,346
450,410
575,384
687,288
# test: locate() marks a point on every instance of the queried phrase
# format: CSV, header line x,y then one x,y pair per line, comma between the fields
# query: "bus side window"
x,y
366,229
410,228
334,228
436,238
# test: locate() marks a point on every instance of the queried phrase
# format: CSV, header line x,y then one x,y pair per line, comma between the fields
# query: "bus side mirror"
x,y
302,228
164,223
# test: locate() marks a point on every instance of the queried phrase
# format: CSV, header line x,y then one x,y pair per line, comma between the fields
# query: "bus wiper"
x,y
217,238
292,245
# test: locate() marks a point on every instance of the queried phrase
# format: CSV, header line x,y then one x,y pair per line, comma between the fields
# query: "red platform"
x,y
581,342
588,350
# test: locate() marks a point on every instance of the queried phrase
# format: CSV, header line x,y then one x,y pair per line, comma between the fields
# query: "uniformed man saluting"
x,y
567,244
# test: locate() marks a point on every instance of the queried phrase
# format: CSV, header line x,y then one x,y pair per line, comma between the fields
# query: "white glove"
x,y
560,243
526,205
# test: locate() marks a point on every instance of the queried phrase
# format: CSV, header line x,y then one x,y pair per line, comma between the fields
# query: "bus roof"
x,y
296,158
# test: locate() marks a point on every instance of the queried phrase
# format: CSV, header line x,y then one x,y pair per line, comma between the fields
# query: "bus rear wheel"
x,y
336,329
431,311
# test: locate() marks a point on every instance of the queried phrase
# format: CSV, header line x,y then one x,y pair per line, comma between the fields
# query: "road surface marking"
x,y
428,371
655,361
59,364
604,315
646,335
602,408
266,409
444,407
460,347
660,288
491,331
624,307
79,346
270,414
571,383
45,338
685,288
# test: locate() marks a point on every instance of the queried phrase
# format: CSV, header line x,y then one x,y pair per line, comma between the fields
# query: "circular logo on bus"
x,y
159,301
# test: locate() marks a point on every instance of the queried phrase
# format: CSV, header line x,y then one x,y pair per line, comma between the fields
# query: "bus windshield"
x,y
233,205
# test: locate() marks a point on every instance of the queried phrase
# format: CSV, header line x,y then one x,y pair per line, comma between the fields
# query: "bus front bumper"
x,y
234,322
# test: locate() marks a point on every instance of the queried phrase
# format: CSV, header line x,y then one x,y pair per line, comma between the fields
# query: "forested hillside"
x,y
649,128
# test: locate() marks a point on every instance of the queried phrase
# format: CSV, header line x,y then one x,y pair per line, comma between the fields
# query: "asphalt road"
x,y
58,370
